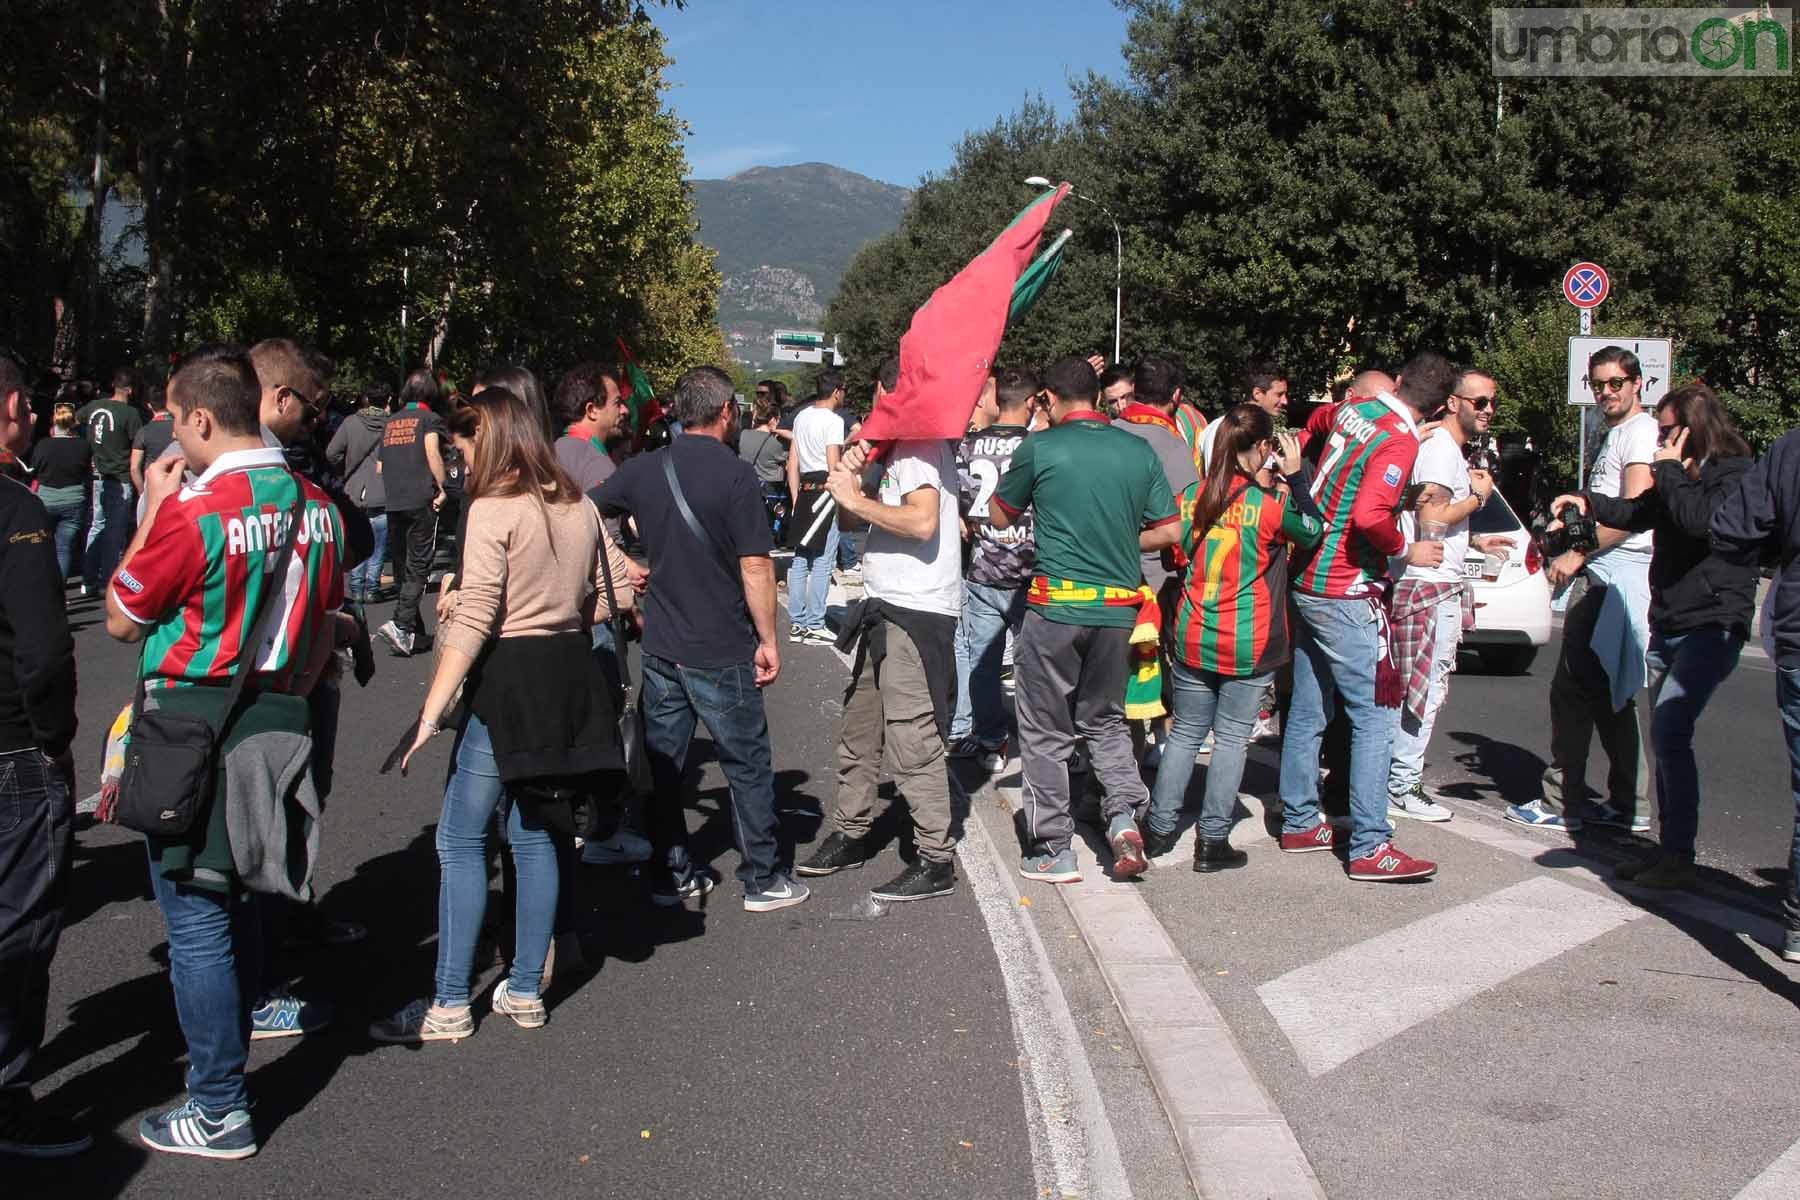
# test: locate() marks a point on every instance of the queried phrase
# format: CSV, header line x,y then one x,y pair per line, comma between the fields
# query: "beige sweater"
x,y
531,569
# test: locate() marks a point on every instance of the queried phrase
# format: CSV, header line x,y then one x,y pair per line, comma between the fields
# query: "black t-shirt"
x,y
62,462
154,437
405,474
694,611
111,424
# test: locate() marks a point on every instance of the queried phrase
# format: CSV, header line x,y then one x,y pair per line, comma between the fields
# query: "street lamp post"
x,y
1038,181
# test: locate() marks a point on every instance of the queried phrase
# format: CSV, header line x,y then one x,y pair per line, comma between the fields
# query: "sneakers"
x,y
781,892
839,852
188,1130
1323,836
820,637
677,889
1606,814
26,1131
1158,844
399,641
527,1012
1127,847
1387,863
281,1015
922,880
995,759
620,849
1267,727
1051,868
796,633
1790,946
967,746
1665,872
1210,856
423,1021
1417,805
1541,816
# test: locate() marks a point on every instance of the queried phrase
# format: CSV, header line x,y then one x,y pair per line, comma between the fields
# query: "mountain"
x,y
784,236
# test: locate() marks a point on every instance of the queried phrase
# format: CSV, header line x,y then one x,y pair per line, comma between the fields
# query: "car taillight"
x,y
1533,563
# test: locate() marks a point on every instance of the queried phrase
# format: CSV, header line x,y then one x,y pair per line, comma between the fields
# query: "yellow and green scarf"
x,y
1143,685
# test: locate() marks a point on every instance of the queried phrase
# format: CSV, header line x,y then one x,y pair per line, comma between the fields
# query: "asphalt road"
x,y
713,1052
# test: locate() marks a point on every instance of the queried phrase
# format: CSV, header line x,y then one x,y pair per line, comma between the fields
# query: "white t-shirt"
x,y
927,575
1209,437
1441,462
1632,441
814,429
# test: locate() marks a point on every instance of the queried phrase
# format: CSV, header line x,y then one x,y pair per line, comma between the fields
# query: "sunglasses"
x,y
1479,403
1609,385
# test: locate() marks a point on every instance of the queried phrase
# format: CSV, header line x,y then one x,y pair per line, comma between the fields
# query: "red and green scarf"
x,y
1143,687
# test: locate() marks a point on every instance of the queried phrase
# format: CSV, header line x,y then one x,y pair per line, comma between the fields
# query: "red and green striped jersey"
x,y
1192,423
200,574
1233,614
1361,480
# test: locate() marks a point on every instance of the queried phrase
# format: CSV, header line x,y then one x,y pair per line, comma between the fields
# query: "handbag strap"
x,y
252,643
705,535
614,617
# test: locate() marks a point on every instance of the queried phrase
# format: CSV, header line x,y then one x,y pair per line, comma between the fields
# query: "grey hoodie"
x,y
352,452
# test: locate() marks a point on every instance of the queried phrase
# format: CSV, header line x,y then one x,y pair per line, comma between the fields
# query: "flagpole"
x,y
1118,261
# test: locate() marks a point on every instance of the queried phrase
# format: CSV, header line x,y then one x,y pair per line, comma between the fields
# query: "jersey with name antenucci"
x,y
1359,486
201,573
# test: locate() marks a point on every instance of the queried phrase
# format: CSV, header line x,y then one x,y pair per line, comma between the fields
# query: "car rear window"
x,y
1496,516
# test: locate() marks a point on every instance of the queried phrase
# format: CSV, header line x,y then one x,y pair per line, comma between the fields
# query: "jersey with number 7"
x,y
1359,486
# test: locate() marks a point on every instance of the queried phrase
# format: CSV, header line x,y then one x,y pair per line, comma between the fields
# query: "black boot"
x,y
1158,844
1210,856
837,853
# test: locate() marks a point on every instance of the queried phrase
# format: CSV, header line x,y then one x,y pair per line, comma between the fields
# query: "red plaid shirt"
x,y
1415,627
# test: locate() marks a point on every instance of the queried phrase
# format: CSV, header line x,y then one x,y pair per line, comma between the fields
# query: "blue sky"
x,y
883,89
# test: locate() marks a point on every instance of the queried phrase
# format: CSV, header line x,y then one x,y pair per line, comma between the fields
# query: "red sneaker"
x,y
1127,847
1322,836
1390,864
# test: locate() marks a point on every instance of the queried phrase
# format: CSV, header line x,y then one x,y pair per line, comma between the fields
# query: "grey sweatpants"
x,y
1069,681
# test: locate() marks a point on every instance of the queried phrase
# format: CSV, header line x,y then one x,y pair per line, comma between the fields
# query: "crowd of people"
x,y
1153,583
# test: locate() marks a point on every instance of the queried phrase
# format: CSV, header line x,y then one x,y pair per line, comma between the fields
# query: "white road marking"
x,y
1780,1180
1351,1001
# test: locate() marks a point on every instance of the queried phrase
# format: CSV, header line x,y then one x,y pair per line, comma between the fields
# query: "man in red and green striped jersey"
x,y
1340,599
189,582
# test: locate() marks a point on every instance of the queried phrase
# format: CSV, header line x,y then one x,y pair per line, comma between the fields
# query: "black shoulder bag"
x,y
172,759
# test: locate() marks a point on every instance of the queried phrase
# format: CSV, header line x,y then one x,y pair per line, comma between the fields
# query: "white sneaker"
x,y
781,892
1417,805
620,849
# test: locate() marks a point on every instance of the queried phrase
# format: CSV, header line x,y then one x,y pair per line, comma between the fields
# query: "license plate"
x,y
1472,567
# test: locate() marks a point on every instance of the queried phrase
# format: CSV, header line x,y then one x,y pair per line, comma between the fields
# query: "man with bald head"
x,y
1341,638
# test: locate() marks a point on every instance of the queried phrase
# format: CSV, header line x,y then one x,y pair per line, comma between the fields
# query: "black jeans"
x,y
413,536
36,822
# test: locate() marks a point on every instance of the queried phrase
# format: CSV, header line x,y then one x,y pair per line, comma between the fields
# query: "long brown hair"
x,y
513,457
1711,433
1242,426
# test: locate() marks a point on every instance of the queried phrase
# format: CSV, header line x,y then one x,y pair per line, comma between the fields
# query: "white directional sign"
x,y
803,346
1655,357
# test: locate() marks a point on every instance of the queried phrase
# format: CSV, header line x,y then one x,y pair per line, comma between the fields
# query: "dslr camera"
x,y
1577,533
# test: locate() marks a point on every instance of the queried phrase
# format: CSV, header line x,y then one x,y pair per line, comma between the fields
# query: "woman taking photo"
x,y
61,465
516,643
1231,630
1700,604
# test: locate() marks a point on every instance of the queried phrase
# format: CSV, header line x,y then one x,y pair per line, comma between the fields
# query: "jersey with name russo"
x,y
201,573
1002,558
1359,485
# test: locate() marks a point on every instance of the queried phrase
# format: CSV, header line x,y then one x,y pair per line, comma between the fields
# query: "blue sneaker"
x,y
1539,815
281,1015
188,1130
1606,814
1051,868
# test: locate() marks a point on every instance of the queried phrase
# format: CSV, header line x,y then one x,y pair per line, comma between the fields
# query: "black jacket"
x,y
1690,586
1760,523
37,655
548,707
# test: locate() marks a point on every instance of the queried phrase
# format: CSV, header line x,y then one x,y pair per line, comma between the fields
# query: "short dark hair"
x,y
123,377
888,373
778,391
282,362
1016,386
1116,373
581,385
1071,379
828,381
1462,378
12,377
701,394
1155,381
421,387
220,380
1616,356
1426,380
1261,375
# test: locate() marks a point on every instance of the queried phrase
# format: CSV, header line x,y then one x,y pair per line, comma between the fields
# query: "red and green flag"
x,y
639,396
946,354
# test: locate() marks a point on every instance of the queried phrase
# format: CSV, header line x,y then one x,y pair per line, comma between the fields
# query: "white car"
x,y
1512,602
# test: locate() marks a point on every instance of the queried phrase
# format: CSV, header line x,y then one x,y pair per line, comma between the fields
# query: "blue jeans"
x,y
469,804
110,530
64,506
215,963
365,577
728,702
1335,643
988,612
1206,702
1787,702
849,551
1683,670
809,583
